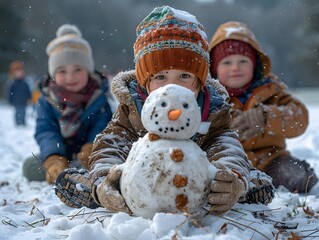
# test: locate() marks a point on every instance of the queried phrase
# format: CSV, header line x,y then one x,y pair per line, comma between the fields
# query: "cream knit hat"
x,y
69,48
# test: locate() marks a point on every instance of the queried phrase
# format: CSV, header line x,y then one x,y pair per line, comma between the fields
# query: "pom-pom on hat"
x,y
69,48
170,39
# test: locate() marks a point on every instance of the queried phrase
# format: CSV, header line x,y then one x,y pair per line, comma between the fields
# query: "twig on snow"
x,y
243,225
10,222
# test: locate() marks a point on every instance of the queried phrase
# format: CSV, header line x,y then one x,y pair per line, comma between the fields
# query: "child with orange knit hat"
x,y
265,114
171,48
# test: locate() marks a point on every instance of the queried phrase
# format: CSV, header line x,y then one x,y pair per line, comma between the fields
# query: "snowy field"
x,y
30,210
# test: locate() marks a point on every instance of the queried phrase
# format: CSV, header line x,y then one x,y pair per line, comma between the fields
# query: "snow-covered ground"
x,y
30,210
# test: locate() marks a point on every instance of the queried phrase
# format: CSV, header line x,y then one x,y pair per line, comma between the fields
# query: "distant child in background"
x,y
264,113
19,93
171,48
72,109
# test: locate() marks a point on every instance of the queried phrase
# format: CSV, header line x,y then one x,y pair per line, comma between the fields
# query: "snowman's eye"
x,y
185,105
163,104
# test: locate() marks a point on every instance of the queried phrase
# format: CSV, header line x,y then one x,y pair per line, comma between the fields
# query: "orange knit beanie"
x,y
170,39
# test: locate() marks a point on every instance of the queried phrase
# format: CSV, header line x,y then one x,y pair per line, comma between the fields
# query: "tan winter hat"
x,y
237,31
69,48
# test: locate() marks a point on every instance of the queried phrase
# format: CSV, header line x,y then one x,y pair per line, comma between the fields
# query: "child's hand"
x,y
226,189
54,165
83,155
108,192
249,123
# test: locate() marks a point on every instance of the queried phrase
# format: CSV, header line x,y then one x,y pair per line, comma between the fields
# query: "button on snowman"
x,y
165,170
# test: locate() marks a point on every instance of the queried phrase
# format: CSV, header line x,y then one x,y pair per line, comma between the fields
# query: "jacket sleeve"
x,y
113,144
10,93
222,145
287,118
102,116
47,132
28,92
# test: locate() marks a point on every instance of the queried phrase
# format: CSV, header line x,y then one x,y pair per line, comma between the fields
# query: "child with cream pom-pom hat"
x,y
73,107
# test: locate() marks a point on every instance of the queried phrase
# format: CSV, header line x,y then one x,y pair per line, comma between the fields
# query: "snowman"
x,y
165,170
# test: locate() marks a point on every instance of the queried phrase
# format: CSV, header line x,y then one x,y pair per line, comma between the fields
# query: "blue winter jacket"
x,y
19,93
93,120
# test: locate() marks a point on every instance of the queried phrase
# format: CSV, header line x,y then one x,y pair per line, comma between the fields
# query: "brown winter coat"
x,y
112,146
286,117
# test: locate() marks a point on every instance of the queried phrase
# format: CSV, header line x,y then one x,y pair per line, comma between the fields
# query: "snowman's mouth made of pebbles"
x,y
167,129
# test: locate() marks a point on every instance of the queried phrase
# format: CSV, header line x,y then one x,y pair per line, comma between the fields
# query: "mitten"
x,y
83,155
108,193
226,189
54,165
249,123
261,189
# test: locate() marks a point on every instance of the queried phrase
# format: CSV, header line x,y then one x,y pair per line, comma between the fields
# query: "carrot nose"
x,y
174,114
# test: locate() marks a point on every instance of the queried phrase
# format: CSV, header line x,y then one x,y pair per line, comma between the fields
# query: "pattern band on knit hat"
x,y
170,39
230,47
69,48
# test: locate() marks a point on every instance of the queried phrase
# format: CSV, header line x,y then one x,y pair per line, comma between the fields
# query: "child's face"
x,y
172,76
235,71
72,77
18,74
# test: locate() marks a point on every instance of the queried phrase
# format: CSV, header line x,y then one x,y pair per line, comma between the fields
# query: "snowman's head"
x,y
171,112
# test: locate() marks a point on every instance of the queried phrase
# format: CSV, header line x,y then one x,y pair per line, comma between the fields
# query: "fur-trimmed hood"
x,y
120,86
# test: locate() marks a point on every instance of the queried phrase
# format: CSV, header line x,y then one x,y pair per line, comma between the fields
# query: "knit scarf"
x,y
235,92
243,97
71,105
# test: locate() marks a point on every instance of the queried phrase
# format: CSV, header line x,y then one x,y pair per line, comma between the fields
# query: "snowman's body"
x,y
166,171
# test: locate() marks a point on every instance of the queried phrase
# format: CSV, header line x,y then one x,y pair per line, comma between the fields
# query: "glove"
x,y
261,189
249,123
108,193
226,189
84,154
54,165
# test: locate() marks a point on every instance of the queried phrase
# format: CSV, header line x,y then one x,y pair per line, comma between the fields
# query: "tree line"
x,y
287,30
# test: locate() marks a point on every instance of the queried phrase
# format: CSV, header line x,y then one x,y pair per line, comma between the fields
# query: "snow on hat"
x,y
170,39
234,30
69,48
230,47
